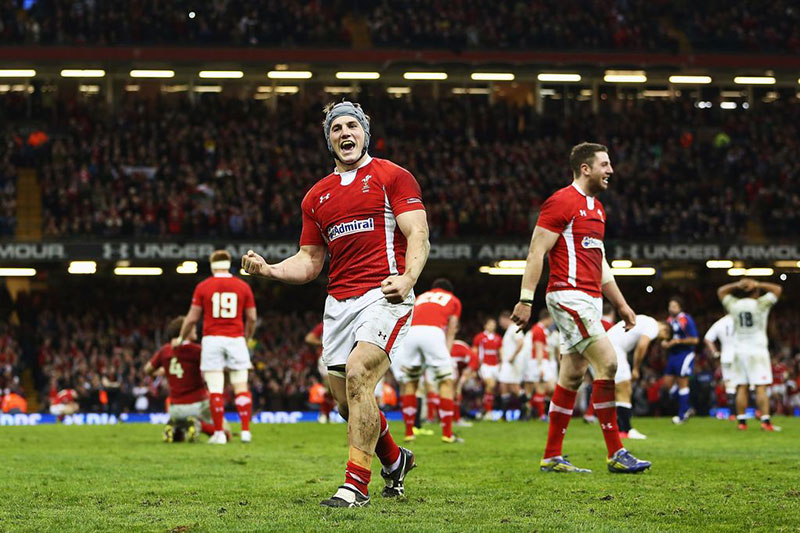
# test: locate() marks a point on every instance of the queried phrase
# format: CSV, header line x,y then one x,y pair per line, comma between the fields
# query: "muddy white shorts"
x,y
578,317
368,318
425,346
546,372
182,411
219,353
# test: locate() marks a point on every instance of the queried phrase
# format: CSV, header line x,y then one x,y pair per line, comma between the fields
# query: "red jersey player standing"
x,y
228,309
487,345
188,399
570,230
427,345
465,364
369,215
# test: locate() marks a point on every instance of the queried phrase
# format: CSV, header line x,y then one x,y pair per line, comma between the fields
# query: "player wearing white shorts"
x,y
722,331
751,360
635,340
427,346
512,363
570,230
369,216
487,345
541,371
228,310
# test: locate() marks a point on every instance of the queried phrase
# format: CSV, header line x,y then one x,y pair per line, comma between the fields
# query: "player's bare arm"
x,y
302,267
774,288
250,320
189,322
312,339
729,288
614,295
414,226
712,349
542,241
638,355
450,333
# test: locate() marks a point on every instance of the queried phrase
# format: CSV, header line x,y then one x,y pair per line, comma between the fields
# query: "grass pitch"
x,y
706,476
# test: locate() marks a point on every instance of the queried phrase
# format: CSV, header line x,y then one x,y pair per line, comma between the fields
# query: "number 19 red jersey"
x,y
223,299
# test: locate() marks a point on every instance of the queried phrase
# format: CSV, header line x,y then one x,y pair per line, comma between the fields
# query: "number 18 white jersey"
x,y
750,316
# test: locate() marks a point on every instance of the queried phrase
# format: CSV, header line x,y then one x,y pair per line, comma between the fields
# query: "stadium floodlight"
x,y
13,272
337,89
174,88
425,76
649,289
498,271
289,74
634,271
754,80
736,271
133,88
221,74
287,89
492,76
82,267
138,271
82,73
471,90
512,263
557,77
398,90
621,263
89,89
187,267
625,76
719,263
656,93
694,80
357,75
207,88
728,105
152,74
759,271
17,73
787,264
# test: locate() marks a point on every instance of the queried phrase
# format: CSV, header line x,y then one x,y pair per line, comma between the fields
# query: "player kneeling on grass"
x,y
189,411
228,309
751,362
369,216
570,230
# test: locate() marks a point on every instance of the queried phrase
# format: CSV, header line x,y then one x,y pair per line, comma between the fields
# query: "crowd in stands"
x,y
101,351
8,196
236,168
448,24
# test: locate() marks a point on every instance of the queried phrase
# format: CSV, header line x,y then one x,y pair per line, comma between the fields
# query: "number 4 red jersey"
x,y
223,298
182,367
435,307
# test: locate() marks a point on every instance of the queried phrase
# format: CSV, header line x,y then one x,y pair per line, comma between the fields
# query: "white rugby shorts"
x,y
547,372
751,368
219,353
366,318
623,367
578,317
489,372
182,411
425,346
512,373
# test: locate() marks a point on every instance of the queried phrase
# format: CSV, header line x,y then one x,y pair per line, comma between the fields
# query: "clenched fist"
x,y
254,264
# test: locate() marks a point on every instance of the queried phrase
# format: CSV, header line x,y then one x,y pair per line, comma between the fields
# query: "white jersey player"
x,y
722,332
636,340
512,362
751,361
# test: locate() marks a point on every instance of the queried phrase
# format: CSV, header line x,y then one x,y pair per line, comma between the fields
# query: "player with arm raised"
x,y
428,344
751,362
680,355
369,216
228,309
188,406
570,230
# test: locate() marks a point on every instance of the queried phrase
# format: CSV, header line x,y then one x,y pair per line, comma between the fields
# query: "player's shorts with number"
x,y
368,318
578,317
546,372
221,352
182,411
751,367
424,346
489,372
